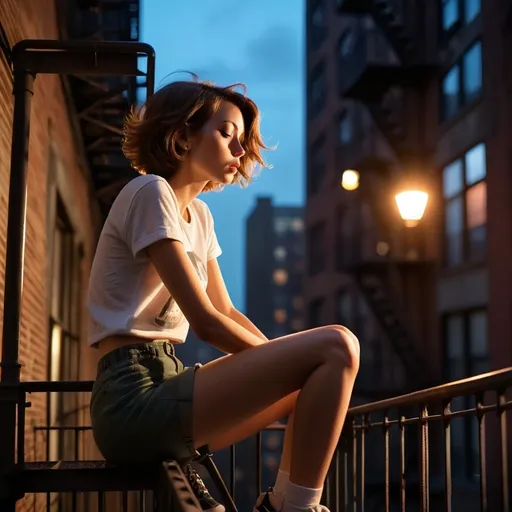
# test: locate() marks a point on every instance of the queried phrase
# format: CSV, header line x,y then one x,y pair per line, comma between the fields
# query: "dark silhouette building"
x,y
274,268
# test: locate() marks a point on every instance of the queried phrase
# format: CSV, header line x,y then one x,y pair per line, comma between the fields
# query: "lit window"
x,y
280,316
297,225
472,9
463,82
465,193
280,277
450,13
472,76
280,253
451,92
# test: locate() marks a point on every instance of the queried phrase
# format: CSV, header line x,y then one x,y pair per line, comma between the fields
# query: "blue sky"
x,y
259,43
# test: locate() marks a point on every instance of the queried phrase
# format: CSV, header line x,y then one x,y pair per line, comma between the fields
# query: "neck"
x,y
185,192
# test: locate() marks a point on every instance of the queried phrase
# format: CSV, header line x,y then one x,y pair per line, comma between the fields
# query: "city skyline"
x,y
269,59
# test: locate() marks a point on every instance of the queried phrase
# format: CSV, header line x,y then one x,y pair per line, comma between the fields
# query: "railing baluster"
x,y
337,479
424,481
502,415
233,471
258,463
386,461
447,457
402,463
354,466
481,450
363,428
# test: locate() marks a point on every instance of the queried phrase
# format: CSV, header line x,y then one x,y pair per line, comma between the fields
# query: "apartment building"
x,y
412,94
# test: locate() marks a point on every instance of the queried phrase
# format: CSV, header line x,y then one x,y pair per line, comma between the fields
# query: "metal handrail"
x,y
472,385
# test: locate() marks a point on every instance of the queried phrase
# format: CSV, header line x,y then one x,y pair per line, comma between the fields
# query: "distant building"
x,y
273,301
274,267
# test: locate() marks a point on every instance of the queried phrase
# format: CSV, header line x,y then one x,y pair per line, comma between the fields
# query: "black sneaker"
x,y
205,499
263,504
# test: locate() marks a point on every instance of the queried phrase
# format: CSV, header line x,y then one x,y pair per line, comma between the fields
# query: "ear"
x,y
183,140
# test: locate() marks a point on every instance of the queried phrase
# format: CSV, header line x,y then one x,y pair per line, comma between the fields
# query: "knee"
x,y
343,344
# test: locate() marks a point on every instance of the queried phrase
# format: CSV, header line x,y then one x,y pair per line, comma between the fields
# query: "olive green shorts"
x,y
141,405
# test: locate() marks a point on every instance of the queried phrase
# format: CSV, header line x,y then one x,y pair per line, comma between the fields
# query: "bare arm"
x,y
242,320
221,300
179,276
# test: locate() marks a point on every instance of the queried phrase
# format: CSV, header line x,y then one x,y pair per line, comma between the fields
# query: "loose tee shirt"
x,y
126,294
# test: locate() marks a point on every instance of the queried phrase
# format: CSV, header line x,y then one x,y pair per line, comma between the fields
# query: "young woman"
x,y
155,273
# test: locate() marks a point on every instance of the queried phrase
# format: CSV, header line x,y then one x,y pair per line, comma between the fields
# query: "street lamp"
x,y
411,206
350,179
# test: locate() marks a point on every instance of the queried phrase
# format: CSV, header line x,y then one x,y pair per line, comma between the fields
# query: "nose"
x,y
237,149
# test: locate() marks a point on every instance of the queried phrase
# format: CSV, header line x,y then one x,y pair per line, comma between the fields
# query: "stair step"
x,y
84,476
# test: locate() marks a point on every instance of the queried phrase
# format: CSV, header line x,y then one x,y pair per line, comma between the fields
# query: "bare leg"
x,y
286,457
322,363
275,412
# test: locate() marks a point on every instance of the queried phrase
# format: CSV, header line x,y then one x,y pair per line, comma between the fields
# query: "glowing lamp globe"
x,y
411,205
350,179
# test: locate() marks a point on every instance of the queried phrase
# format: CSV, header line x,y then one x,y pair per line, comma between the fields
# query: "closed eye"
x,y
225,134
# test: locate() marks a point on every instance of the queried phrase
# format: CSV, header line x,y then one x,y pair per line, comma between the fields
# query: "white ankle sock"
x,y
301,499
281,482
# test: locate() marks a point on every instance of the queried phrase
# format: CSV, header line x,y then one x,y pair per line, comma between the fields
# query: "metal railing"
x,y
443,448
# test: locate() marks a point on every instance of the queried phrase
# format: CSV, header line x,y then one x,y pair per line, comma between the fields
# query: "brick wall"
x,y
50,128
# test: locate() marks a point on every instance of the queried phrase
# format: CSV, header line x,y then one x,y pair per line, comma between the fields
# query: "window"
x,y
346,43
317,166
463,82
472,9
456,12
317,91
465,194
466,355
450,14
280,253
280,277
317,23
64,326
316,248
345,128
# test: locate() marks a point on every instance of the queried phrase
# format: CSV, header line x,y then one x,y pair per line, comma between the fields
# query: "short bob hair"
x,y
154,133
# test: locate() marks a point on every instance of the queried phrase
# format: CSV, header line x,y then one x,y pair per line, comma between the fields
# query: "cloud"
x,y
273,57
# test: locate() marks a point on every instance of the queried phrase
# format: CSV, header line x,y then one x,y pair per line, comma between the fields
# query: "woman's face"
x,y
215,151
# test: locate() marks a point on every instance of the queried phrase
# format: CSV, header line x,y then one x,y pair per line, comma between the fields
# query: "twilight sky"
x,y
259,43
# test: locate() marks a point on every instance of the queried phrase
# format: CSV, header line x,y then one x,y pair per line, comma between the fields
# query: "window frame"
x,y
460,23
465,257
462,100
471,464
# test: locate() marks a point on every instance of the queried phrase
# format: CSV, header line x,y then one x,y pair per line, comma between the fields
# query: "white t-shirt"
x,y
126,294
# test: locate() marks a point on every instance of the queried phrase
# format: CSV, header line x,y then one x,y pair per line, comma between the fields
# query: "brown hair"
x,y
153,133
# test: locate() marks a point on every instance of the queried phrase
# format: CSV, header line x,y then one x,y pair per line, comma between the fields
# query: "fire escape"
x,y
387,65
99,103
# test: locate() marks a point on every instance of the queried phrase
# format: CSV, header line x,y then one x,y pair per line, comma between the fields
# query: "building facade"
x,y
412,94
274,268
70,186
